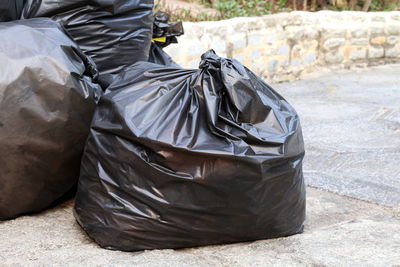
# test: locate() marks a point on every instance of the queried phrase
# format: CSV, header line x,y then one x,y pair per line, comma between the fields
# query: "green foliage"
x,y
235,8
247,8
374,5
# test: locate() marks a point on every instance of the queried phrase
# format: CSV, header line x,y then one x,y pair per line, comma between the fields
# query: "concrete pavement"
x,y
351,126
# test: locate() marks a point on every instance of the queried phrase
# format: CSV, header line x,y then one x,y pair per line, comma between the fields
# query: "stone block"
x,y
376,52
255,24
333,32
254,38
296,51
392,40
239,25
194,49
282,35
272,65
396,16
296,62
359,17
192,30
359,41
284,50
392,52
294,19
333,57
376,30
206,40
214,28
310,44
333,43
238,41
378,18
285,62
270,21
380,40
357,54
239,57
295,33
393,29
359,32
269,39
255,54
309,58
311,33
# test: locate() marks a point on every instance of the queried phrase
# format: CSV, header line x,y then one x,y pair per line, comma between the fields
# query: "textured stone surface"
x,y
333,43
333,57
392,52
378,40
358,53
376,52
299,42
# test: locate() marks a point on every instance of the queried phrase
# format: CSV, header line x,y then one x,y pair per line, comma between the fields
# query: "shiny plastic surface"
x,y
47,99
163,28
168,32
159,56
115,34
181,158
10,9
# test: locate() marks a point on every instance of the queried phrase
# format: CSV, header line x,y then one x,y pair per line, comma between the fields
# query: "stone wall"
x,y
284,46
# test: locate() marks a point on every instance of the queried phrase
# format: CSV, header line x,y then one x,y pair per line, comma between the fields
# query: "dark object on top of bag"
x,y
164,34
10,9
163,29
181,158
47,99
115,34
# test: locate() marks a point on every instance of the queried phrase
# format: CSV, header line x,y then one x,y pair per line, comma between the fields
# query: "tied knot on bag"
x,y
239,86
210,59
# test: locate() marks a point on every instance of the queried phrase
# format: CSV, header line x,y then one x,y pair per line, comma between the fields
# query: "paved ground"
x,y
351,124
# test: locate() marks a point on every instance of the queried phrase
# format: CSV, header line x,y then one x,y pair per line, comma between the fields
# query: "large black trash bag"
x,y
115,34
181,158
164,34
10,9
159,56
47,100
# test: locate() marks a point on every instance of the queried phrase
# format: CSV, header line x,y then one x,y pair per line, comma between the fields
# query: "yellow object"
x,y
160,39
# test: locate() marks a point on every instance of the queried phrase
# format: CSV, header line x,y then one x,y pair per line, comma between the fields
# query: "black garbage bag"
x,y
181,158
164,34
114,33
159,56
10,9
47,100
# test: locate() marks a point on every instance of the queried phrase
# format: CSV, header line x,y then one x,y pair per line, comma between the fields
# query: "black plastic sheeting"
x,y
115,34
163,28
169,31
47,100
159,56
10,9
181,158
